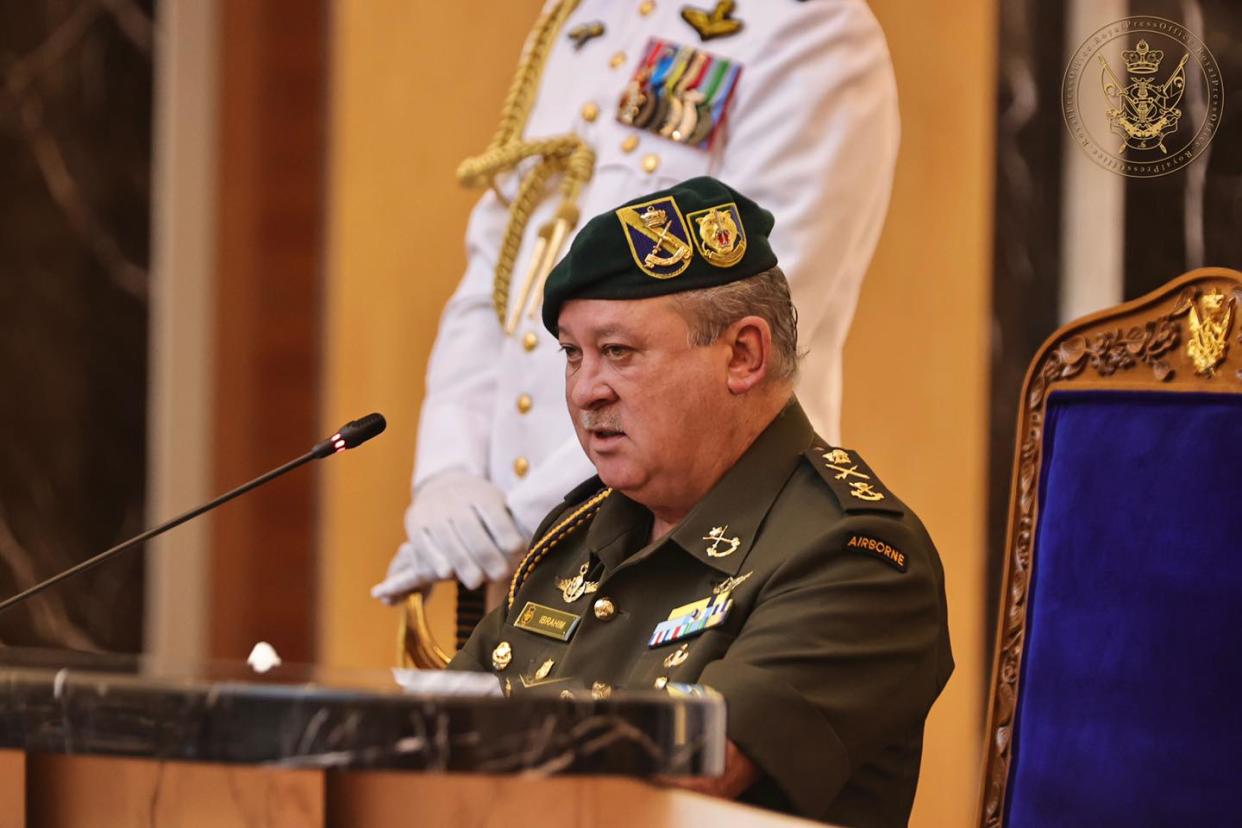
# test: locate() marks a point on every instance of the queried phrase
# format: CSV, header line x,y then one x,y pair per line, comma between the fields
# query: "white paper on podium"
x,y
447,682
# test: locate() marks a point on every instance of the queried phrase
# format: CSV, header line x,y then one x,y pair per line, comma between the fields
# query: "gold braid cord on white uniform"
x,y
566,155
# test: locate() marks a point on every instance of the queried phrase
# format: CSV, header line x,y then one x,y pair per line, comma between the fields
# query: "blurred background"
x,y
228,226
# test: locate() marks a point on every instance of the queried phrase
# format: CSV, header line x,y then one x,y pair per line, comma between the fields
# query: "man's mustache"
x,y
600,421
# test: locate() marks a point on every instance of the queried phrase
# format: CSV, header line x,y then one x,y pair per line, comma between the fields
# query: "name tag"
x,y
547,621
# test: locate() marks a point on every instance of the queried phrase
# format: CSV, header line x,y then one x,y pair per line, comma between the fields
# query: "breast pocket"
x,y
681,661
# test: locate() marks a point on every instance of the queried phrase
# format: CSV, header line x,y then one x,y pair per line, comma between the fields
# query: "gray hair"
x,y
709,311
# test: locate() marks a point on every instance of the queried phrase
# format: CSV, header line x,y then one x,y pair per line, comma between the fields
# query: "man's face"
x,y
643,400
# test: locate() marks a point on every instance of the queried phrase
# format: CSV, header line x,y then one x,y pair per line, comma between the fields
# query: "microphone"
x,y
351,435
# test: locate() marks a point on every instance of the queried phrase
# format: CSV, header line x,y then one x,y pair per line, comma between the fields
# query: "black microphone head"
x,y
352,434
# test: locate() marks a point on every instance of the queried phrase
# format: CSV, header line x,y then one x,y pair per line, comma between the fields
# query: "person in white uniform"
x,y
792,103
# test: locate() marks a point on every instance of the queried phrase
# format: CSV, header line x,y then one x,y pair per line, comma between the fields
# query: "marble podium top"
x,y
300,716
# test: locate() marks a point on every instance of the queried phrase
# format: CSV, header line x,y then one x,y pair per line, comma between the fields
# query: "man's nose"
x,y
588,388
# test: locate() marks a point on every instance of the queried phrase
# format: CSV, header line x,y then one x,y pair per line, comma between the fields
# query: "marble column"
x,y
75,157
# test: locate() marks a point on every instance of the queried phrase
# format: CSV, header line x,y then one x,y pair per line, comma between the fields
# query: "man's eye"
x,y
570,351
614,351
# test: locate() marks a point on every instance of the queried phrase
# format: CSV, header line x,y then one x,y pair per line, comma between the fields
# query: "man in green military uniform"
x,y
722,542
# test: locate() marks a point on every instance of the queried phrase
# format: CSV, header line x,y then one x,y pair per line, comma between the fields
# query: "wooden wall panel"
x,y
272,110
917,358
12,789
416,87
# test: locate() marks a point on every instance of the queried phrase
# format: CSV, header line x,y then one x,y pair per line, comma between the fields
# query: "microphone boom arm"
x,y
350,435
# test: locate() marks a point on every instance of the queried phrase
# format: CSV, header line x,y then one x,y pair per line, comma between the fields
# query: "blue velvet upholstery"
x,y
1128,708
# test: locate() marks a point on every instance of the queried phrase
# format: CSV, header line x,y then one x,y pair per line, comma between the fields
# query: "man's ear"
x,y
750,353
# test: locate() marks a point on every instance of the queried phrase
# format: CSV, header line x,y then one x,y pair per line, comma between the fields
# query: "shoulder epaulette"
x,y
856,487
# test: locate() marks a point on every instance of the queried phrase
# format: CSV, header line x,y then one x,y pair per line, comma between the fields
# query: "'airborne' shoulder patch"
x,y
884,551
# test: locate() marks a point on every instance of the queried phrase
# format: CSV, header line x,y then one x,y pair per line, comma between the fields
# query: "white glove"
x,y
457,526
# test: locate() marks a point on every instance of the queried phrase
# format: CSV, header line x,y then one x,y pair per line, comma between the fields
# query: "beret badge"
x,y
720,239
658,238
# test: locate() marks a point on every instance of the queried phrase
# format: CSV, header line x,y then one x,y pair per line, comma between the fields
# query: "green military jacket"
x,y
799,588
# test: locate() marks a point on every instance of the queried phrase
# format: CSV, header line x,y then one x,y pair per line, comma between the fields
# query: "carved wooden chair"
x,y
416,644
1119,650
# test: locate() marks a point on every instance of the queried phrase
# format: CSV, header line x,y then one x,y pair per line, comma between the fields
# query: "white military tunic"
x,y
811,133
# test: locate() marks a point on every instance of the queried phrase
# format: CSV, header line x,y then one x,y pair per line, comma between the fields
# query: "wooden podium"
x,y
115,741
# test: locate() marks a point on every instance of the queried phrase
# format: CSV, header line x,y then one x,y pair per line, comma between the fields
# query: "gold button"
x,y
651,162
524,402
521,466
529,340
590,112
617,60
661,682
601,690
630,143
567,694
502,655
647,7
605,609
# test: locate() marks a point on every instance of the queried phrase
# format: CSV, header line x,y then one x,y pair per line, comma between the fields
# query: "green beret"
x,y
698,234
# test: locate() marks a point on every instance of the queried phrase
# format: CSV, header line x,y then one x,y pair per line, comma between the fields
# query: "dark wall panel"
x,y
75,163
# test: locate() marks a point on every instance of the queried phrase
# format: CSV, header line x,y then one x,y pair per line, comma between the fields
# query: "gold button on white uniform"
x,y
605,609
617,60
629,144
521,466
647,7
590,111
529,340
524,402
651,162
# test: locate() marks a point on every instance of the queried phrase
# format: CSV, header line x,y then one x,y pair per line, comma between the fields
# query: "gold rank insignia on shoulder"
x,y
657,236
853,483
585,33
720,236
885,552
547,621
719,22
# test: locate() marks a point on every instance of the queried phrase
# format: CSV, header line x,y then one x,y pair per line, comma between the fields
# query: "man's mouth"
x,y
603,426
